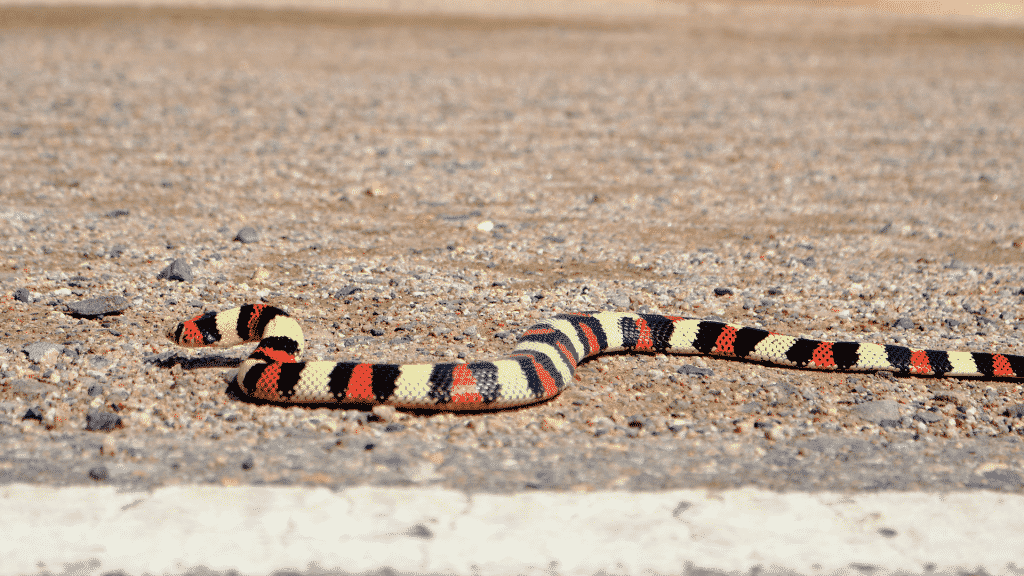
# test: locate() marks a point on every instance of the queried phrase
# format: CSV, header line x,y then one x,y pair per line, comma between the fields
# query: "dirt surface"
x,y
424,187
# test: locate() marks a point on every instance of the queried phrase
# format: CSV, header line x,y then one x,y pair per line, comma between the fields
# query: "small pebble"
x,y
346,291
691,370
39,352
98,473
101,306
904,323
178,270
247,235
34,413
98,421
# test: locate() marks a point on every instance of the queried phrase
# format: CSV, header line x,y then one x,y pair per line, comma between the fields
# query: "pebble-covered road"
x,y
424,188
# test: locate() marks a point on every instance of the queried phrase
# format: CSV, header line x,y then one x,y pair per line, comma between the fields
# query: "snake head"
x,y
190,333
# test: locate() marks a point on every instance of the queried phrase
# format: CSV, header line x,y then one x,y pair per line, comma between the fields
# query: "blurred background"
x,y
1004,10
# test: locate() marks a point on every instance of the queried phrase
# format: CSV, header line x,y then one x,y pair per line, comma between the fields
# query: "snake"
x,y
544,360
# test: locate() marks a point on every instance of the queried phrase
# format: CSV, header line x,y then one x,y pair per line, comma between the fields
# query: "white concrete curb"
x,y
92,530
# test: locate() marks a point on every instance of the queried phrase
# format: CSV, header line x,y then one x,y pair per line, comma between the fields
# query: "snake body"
x,y
544,359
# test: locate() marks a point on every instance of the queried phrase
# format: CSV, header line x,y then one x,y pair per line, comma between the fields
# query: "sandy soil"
x,y
838,170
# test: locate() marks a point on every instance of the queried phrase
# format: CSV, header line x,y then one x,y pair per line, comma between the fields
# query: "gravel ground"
x,y
419,188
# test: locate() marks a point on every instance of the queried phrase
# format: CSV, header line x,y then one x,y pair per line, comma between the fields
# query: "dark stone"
x,y
22,295
1015,411
355,340
420,531
98,421
118,213
178,270
691,370
102,306
638,421
98,473
683,506
928,416
95,390
721,291
247,235
1007,478
248,463
34,413
904,323
346,291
